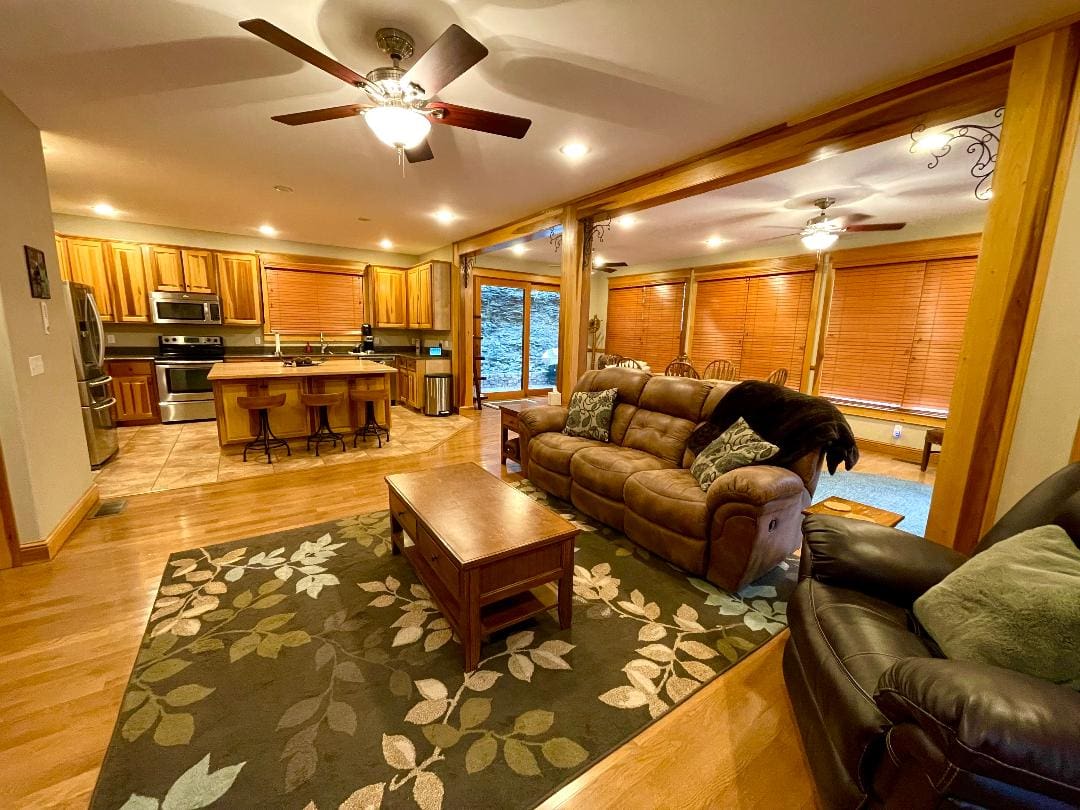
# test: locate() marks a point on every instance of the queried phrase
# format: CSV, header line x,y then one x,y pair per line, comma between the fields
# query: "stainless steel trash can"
x,y
437,394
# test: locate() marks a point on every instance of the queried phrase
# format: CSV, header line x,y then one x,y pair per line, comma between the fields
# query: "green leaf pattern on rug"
x,y
195,788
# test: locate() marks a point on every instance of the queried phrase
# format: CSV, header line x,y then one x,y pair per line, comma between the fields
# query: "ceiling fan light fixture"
x,y
398,127
819,240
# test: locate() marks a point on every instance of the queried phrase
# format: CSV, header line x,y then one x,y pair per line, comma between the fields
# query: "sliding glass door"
x,y
518,324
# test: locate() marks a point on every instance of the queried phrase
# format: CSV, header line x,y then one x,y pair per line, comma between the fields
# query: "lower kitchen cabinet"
x,y
134,385
411,373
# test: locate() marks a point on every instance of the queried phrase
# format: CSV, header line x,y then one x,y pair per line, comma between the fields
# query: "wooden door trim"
x,y
510,275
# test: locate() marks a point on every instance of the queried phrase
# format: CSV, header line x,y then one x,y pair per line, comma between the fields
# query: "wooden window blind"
x,y
894,334
759,323
645,323
939,331
306,302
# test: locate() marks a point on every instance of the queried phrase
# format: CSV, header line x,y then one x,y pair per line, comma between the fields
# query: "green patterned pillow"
x,y
590,414
738,446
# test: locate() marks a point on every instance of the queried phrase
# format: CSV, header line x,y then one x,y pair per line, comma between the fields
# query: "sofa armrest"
x,y
533,422
990,721
875,559
757,484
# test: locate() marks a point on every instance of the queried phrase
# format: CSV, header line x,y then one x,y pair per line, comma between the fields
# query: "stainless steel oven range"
x,y
182,364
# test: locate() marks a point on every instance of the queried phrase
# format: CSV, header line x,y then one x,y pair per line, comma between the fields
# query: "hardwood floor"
x,y
71,629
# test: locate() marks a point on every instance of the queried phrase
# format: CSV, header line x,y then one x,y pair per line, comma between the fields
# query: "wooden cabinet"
x,y
428,292
128,271
166,268
62,257
89,265
390,297
198,270
135,387
410,378
238,284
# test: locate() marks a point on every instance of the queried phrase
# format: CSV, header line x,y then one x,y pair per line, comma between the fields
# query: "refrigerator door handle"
x,y
105,403
92,302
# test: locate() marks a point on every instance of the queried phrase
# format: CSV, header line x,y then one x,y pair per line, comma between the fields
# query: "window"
x,y
759,323
645,323
894,334
519,331
306,302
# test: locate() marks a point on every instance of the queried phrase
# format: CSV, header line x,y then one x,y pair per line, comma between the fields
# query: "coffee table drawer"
x,y
438,560
405,518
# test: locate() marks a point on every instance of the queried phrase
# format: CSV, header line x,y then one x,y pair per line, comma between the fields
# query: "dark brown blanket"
x,y
796,423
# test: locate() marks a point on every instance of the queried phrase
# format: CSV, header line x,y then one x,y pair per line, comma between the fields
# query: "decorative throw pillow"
x,y
1015,605
590,414
736,447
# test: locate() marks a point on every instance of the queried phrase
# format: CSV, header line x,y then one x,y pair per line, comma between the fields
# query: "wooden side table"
x,y
857,511
510,414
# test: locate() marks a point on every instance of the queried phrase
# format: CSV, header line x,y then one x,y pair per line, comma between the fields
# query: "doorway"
x,y
518,325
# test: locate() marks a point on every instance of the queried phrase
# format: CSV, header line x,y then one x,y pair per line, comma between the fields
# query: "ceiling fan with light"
x,y
821,231
607,267
399,108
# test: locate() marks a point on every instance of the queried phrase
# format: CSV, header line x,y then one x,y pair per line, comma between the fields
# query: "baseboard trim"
x,y
47,549
895,450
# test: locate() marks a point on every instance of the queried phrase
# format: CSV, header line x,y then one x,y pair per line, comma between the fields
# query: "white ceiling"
x,y
162,107
885,181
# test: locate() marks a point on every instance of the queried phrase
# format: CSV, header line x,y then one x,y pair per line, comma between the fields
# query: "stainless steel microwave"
x,y
179,307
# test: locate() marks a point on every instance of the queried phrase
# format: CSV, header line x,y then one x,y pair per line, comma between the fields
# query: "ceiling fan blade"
x,y
287,42
785,227
418,154
509,126
880,226
451,55
326,114
853,218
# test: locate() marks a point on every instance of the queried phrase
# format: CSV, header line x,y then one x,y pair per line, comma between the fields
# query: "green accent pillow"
x,y
738,446
590,414
1015,605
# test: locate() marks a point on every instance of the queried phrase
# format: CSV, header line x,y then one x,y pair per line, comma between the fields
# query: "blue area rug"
x,y
910,498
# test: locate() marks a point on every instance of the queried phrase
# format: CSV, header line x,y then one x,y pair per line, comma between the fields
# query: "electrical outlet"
x,y
258,341
897,431
110,339
37,365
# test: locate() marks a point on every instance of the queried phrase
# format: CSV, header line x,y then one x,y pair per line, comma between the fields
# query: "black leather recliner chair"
x,y
886,720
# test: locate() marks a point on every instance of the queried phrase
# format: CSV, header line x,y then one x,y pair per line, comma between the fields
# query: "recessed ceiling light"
x,y
268,230
284,189
931,141
385,244
104,209
989,194
445,216
597,260
519,250
626,221
574,150
715,241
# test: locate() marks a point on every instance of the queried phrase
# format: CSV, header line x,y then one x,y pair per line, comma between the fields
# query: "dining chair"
x,y
719,370
681,367
778,377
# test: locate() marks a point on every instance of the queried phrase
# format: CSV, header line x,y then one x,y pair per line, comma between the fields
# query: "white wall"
x,y
1050,402
44,447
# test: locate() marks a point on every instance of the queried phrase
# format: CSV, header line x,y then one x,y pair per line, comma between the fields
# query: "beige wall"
x,y
41,431
1050,402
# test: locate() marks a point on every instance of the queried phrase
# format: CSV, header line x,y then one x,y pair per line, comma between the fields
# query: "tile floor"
x,y
160,457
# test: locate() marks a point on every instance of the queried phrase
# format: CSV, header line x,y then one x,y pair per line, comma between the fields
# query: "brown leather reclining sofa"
x,y
639,482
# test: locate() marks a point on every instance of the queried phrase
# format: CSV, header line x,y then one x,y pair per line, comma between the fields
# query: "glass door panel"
x,y
502,327
543,337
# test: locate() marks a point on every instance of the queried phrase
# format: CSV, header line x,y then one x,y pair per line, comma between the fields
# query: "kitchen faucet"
x,y
323,347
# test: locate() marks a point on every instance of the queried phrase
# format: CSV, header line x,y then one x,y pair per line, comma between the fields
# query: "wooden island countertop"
x,y
294,420
264,369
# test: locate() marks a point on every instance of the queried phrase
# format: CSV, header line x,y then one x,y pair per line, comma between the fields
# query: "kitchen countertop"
x,y
259,353
260,369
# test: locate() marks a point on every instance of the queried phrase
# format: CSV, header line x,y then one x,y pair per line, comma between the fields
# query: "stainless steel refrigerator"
x,y
89,349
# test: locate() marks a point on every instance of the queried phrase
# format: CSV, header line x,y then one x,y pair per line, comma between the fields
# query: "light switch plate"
x,y
110,339
37,365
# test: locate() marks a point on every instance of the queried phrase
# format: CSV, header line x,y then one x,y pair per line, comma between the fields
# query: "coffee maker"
x,y
367,342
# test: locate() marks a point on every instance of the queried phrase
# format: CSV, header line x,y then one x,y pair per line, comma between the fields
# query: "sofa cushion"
x,y
669,498
659,434
604,470
589,415
738,446
553,451
675,396
629,381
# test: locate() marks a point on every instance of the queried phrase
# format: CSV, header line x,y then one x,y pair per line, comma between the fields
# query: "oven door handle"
x,y
105,403
100,381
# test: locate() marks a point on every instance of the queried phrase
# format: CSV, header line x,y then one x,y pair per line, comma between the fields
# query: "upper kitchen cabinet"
x,y
238,285
174,269
88,264
428,287
62,257
390,308
128,269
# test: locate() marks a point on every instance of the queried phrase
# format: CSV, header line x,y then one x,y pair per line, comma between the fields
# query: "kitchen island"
x,y
293,420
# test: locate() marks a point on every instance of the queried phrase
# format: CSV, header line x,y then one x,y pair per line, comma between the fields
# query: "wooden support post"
x,y
1016,243
573,303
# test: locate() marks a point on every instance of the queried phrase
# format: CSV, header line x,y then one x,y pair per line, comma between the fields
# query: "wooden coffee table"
x,y
480,547
857,511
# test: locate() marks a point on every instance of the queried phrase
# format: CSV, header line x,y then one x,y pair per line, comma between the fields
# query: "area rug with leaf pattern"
x,y
309,669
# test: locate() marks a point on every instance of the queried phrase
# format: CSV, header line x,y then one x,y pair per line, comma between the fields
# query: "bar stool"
x,y
369,396
322,403
265,437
